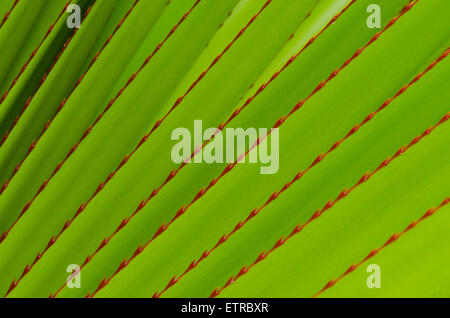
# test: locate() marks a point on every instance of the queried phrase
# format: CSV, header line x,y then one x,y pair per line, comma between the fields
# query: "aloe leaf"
x,y
353,94
366,148
277,214
255,35
169,18
226,197
408,267
215,14
282,217
143,236
147,225
337,254
18,193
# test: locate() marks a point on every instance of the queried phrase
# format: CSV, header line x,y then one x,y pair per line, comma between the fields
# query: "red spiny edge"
x,y
63,102
89,129
82,207
393,238
343,194
299,175
229,167
7,14
33,54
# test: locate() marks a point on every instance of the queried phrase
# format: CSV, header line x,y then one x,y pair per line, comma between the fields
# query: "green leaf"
x,y
24,50
43,160
104,128
409,263
231,205
360,164
362,221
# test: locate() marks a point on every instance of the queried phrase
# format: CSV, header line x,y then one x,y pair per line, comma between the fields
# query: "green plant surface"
x,y
106,133
223,69
187,227
22,34
116,20
32,74
54,89
226,197
407,273
6,9
42,161
23,50
361,117
350,230
146,224
278,218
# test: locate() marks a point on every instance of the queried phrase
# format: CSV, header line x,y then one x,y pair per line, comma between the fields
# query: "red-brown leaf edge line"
x,y
86,133
393,238
7,14
298,176
229,167
343,194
